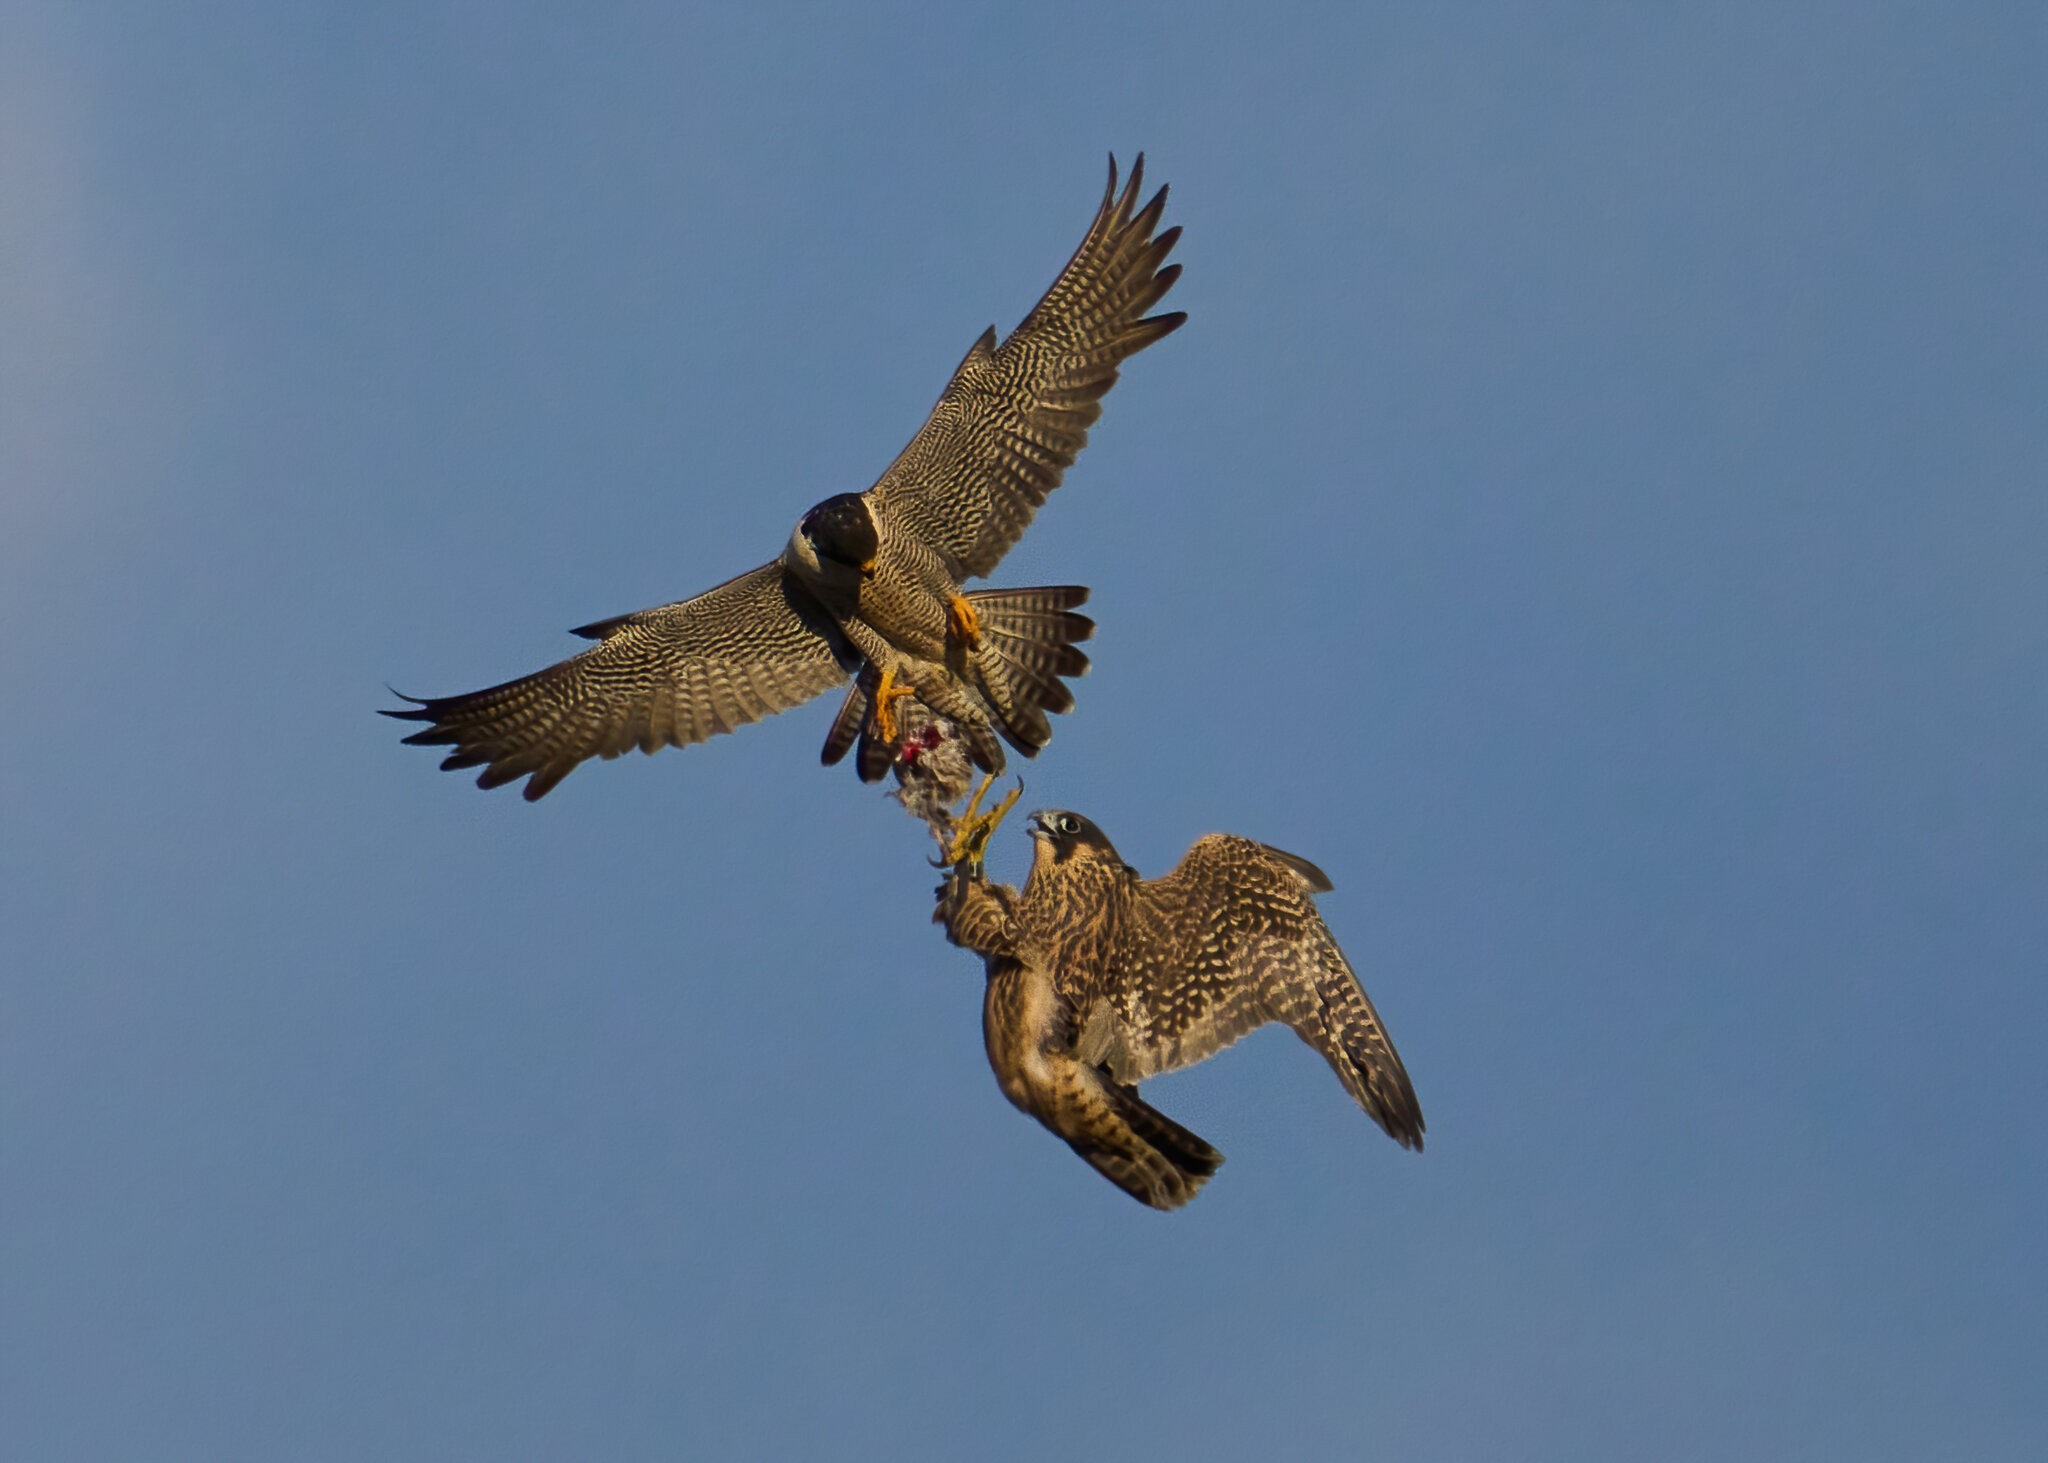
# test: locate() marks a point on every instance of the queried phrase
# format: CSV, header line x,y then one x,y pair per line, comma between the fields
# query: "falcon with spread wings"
x,y
1098,979
871,582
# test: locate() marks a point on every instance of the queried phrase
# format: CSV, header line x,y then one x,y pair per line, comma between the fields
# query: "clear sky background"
x,y
1595,510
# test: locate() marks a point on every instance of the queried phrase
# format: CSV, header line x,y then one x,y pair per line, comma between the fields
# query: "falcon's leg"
x,y
962,620
973,829
977,914
886,694
1132,1144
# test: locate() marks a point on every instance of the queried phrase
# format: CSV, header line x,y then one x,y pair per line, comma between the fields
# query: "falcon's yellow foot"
x,y
963,621
973,828
885,695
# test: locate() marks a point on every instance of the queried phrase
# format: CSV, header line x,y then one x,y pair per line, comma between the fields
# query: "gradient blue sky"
x,y
1596,510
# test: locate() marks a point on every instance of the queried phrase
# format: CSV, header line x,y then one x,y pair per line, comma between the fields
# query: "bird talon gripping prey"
x,y
871,581
1098,979
973,829
886,695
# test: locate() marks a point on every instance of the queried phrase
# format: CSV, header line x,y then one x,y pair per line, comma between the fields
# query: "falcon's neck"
x,y
1064,897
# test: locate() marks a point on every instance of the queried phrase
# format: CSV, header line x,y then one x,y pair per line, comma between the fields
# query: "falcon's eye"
x,y
1066,823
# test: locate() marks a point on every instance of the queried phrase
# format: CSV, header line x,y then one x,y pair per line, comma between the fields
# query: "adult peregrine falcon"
x,y
871,580
1098,979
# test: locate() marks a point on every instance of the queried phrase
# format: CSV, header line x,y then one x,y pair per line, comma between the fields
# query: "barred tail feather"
x,y
1028,647
1141,1150
1029,639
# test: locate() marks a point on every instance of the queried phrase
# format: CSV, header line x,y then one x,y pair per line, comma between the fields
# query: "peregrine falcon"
x,y
1098,979
871,581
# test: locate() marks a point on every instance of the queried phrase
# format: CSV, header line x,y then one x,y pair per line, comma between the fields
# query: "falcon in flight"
x,y
869,585
1098,979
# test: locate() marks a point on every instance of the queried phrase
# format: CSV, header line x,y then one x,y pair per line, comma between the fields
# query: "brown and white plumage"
x,y
870,580
1035,632
1099,979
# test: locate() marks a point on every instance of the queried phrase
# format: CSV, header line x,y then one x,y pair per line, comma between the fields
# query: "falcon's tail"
x,y
1141,1150
1028,643
1028,639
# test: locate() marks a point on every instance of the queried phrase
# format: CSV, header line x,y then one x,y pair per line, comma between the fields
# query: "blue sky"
x,y
1595,510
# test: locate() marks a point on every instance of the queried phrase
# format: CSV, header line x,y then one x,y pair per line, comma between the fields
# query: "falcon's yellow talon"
x,y
886,693
962,620
973,828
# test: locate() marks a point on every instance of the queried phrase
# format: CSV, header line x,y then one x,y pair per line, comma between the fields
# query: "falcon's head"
x,y
1060,837
836,542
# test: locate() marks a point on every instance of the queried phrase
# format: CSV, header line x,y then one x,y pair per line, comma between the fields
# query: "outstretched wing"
x,y
670,676
1228,941
1015,416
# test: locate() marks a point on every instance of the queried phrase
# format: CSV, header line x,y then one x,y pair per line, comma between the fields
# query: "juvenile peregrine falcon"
x,y
1098,979
871,580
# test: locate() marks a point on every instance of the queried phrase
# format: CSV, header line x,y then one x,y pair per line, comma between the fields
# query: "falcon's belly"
x,y
905,601
1021,1019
